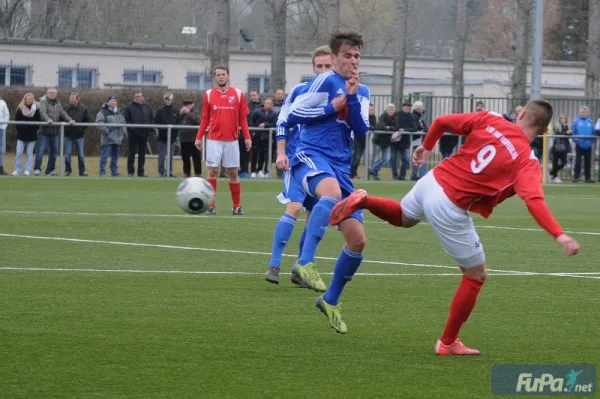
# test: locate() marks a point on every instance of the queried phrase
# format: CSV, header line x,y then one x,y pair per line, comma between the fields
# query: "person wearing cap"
x,y
166,115
401,141
138,112
190,117
111,136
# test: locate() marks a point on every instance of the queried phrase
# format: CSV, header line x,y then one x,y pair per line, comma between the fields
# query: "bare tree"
x,y
278,24
401,9
592,66
460,38
14,17
332,8
522,51
219,40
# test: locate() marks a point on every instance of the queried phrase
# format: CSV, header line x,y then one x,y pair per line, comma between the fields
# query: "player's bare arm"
x,y
282,161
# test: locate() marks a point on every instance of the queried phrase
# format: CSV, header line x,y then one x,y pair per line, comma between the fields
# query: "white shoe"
x,y
556,180
267,176
15,173
27,173
253,175
260,175
36,172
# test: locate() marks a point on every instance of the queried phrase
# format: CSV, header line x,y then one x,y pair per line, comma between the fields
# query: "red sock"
x,y
213,183
462,304
386,209
236,193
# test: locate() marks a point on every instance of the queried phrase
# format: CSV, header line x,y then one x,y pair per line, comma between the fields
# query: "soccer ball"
x,y
194,195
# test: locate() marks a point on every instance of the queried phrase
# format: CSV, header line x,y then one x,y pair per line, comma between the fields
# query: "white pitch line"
x,y
233,251
231,273
509,272
158,215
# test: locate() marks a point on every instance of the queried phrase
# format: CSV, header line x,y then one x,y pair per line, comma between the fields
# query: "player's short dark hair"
x,y
339,37
222,68
319,51
539,114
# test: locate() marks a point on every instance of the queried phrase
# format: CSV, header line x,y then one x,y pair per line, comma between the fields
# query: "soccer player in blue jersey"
x,y
333,109
293,196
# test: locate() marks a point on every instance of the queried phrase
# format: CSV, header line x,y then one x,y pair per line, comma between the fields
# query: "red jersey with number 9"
x,y
495,162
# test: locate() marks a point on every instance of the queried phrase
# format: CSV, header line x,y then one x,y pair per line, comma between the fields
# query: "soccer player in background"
x,y
224,111
293,195
333,109
495,163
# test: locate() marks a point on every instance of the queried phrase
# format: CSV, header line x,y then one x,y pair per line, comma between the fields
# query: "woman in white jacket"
x,y
4,116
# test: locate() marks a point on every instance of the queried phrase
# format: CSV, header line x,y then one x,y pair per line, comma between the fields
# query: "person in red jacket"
x,y
224,112
495,163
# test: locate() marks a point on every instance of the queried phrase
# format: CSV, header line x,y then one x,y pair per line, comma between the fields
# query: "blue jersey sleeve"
x,y
282,127
358,111
313,104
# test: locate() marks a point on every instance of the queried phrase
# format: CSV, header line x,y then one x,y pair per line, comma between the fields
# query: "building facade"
x,y
70,64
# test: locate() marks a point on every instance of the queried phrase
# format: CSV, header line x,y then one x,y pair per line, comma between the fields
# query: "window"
x,y
198,81
260,82
142,76
14,75
76,77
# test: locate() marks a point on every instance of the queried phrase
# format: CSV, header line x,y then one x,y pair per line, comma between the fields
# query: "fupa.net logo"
x,y
549,383
536,379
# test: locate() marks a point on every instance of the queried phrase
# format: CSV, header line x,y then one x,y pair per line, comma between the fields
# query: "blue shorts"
x,y
293,192
311,167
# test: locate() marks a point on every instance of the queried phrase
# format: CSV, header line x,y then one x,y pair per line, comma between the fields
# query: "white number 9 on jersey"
x,y
484,157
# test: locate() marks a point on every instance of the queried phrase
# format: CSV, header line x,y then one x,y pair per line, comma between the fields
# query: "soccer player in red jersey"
x,y
224,110
495,163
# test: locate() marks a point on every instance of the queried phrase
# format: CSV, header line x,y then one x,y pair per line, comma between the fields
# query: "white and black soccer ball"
x,y
194,195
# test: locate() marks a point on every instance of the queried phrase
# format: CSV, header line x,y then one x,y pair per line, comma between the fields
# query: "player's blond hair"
x,y
319,51
539,114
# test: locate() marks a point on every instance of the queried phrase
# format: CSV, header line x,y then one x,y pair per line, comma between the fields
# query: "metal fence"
x,y
567,173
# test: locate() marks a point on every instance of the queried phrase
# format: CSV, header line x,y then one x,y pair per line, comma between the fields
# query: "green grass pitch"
x,y
109,290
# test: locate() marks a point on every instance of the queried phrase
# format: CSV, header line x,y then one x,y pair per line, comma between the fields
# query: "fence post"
x,y
472,100
366,157
545,158
270,154
61,150
169,151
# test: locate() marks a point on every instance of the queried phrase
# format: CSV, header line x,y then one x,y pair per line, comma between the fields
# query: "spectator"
x,y
263,118
560,147
111,136
279,98
421,126
382,141
359,146
27,111
166,115
137,112
51,110
190,117
4,117
583,126
74,134
479,106
253,104
401,141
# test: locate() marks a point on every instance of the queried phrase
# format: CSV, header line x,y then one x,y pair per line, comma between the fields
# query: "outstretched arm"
x,y
461,124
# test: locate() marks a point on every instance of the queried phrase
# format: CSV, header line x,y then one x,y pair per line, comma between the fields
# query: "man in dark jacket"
x,y
166,115
51,110
187,137
381,142
417,111
401,141
74,134
263,118
253,104
138,112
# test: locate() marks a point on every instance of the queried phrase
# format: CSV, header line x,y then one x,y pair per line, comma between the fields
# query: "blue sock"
x,y
283,232
345,267
317,225
301,243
